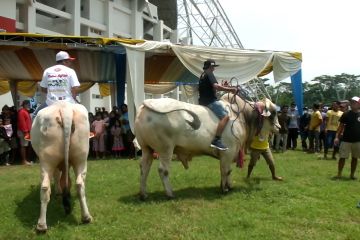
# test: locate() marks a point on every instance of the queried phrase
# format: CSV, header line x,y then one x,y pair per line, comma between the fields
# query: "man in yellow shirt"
x,y
332,124
314,129
260,146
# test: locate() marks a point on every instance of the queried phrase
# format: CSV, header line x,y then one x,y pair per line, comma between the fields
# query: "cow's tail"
x,y
67,124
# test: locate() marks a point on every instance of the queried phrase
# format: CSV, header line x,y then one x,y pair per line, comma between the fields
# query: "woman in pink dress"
x,y
98,127
118,144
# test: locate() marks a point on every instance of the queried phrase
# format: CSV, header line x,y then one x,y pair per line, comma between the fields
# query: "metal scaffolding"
x,y
204,22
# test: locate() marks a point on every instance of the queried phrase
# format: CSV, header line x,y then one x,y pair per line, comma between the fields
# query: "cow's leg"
x,y
225,171
45,191
57,185
80,173
145,164
65,189
164,167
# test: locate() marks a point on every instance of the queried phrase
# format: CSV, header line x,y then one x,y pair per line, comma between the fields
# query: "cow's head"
x,y
268,115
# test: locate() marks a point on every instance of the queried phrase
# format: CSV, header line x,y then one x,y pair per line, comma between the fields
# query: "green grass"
x,y
308,204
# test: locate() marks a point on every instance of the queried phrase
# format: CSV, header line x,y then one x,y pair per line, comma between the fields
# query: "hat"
x,y
210,62
62,55
355,99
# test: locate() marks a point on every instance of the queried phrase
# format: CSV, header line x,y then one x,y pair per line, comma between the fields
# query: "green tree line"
x,y
324,89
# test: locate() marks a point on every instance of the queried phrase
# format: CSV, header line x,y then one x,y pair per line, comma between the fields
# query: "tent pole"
x,y
13,88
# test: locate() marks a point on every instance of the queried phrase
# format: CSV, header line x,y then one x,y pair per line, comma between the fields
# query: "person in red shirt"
x,y
23,130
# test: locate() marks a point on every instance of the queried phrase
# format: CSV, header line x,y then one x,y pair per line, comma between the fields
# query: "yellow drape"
x,y
27,88
4,87
85,86
104,89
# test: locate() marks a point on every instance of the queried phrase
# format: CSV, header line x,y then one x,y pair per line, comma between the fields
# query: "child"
x,y
4,144
260,146
12,139
98,127
117,140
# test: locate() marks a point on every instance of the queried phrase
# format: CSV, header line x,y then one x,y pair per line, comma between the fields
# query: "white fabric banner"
x,y
284,66
243,64
135,82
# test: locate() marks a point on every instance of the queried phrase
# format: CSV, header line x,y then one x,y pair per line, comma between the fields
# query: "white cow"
x,y
60,138
167,126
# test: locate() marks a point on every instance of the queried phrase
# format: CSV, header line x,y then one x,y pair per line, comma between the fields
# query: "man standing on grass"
x,y
314,129
350,127
260,146
332,124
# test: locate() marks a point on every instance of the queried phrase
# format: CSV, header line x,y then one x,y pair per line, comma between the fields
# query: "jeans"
x,y
314,141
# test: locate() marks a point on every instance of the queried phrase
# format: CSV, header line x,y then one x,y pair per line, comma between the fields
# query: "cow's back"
x,y
47,133
167,127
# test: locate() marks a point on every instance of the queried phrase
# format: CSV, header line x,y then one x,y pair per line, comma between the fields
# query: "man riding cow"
x,y
208,85
60,137
168,126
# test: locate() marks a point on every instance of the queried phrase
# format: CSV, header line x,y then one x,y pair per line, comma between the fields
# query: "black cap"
x,y
210,62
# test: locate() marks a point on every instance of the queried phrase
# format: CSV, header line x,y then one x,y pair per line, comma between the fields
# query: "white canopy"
x,y
244,65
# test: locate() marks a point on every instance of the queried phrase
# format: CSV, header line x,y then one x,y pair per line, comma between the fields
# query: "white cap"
x,y
62,55
355,99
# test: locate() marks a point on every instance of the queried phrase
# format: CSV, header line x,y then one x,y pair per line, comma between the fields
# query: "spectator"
x,y
23,131
332,123
98,127
322,138
283,131
350,144
314,129
117,141
4,145
293,127
128,136
304,128
12,140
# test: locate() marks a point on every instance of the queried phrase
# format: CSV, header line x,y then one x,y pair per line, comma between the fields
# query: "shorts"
x,y
255,156
347,147
218,109
22,141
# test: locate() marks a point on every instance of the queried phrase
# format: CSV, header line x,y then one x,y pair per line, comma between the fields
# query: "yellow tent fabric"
x,y
25,56
104,89
4,87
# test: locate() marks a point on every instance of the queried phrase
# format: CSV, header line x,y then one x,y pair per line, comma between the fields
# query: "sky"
x,y
326,32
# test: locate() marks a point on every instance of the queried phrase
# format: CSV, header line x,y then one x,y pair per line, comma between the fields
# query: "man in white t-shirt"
x,y
60,81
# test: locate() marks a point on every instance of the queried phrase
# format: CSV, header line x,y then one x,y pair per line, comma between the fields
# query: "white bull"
x,y
167,126
60,138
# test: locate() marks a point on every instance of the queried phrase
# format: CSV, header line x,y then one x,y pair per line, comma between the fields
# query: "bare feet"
x,y
26,163
277,178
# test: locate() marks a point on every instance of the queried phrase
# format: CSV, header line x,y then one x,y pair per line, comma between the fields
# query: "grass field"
x,y
308,204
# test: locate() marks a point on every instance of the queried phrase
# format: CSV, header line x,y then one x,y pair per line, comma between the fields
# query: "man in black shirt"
x,y
350,127
208,86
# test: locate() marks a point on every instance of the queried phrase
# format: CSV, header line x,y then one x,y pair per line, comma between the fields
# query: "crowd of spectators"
x,y
316,127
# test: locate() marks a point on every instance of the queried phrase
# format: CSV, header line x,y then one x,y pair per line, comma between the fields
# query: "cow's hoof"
x,y
87,219
225,190
41,228
142,197
170,197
